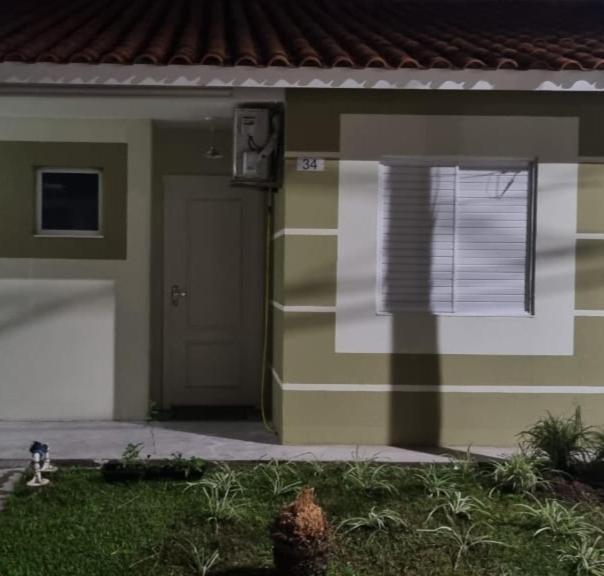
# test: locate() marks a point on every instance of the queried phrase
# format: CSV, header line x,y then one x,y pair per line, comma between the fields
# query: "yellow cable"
x,y
267,264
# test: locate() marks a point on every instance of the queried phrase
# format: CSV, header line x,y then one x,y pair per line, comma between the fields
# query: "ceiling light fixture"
x,y
212,153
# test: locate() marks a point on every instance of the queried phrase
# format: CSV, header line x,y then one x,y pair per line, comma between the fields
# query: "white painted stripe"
x,y
310,309
293,154
305,232
589,236
589,313
445,389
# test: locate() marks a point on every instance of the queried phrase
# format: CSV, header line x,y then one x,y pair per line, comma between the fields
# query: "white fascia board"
x,y
141,75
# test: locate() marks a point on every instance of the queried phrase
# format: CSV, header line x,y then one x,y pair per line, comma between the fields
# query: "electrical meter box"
x,y
258,145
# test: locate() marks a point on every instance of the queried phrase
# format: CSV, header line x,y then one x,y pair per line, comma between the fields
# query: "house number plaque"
x,y
309,164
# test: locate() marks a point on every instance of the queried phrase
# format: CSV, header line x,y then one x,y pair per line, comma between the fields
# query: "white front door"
x,y
213,292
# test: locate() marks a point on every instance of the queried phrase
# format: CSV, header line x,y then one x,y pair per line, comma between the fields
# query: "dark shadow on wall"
x,y
412,289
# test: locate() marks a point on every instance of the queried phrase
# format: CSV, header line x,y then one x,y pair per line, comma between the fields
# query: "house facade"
x,y
429,271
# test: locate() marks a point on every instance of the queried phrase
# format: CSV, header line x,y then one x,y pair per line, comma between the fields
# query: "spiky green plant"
x,y
221,505
557,519
584,557
369,476
459,507
437,481
520,473
279,476
563,441
223,480
466,466
198,559
463,540
375,520
598,446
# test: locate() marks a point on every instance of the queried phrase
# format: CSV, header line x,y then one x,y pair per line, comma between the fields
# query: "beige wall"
x,y
325,395
80,328
74,332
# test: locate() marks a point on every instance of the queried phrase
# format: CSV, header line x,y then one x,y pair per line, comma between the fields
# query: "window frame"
x,y
44,232
460,163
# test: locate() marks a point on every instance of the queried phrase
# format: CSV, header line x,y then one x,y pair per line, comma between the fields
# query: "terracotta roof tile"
x,y
456,34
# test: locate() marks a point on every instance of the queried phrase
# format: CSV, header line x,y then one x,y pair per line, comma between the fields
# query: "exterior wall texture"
x,y
397,398
74,318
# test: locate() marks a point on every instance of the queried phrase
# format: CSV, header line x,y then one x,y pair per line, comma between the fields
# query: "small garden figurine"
x,y
301,537
40,460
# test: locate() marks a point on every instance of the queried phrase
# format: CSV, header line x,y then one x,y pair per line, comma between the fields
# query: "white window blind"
x,y
454,239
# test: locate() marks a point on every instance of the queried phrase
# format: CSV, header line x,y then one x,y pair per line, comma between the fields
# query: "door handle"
x,y
176,294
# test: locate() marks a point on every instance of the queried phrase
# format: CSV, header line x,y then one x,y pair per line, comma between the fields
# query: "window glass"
x,y
69,201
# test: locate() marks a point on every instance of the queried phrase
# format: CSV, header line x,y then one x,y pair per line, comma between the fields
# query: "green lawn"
x,y
83,526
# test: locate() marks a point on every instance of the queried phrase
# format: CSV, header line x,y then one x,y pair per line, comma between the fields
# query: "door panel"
x,y
213,290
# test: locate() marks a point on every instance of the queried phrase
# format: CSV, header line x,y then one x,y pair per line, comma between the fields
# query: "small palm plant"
x,y
301,537
564,442
459,507
463,540
584,557
375,521
560,521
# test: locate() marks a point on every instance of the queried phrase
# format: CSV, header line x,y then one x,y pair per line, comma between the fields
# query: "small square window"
x,y
69,202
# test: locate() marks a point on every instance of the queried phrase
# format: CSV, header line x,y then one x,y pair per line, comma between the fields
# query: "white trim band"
x,y
444,389
305,232
590,236
589,313
84,75
305,309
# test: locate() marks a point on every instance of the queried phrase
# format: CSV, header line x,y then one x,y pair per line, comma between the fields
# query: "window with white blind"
x,y
455,238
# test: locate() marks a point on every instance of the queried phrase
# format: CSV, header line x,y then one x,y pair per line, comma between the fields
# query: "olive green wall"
x,y
18,164
306,338
313,116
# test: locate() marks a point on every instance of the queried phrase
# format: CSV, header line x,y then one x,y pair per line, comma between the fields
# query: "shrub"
x,y
459,507
463,540
221,505
375,521
199,560
560,521
280,477
584,557
598,446
437,481
223,480
520,473
368,476
563,441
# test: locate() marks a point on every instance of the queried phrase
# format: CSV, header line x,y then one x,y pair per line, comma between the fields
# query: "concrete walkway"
x,y
233,441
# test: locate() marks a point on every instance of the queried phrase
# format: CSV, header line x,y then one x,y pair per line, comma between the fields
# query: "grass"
x,y
81,525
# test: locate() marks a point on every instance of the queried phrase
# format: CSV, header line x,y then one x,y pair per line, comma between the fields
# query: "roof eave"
x,y
140,75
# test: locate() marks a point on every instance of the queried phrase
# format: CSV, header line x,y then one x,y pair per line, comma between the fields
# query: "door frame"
x,y
166,283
